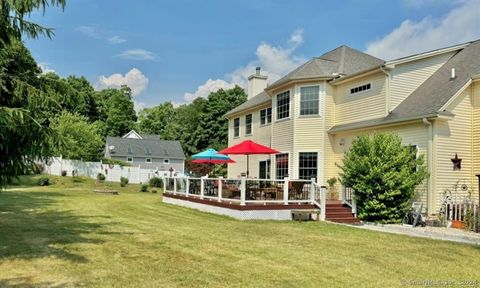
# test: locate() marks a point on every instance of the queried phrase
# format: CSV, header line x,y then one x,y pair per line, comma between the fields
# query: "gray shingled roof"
x,y
145,147
252,102
342,60
428,99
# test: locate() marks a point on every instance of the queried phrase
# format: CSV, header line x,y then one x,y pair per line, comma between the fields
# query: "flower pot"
x,y
458,224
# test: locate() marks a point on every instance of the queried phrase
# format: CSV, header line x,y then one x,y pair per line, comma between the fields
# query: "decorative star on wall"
x,y
457,163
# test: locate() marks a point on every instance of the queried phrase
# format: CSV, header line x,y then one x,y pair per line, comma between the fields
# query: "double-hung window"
x,y
283,105
307,162
309,100
266,116
236,127
281,165
248,124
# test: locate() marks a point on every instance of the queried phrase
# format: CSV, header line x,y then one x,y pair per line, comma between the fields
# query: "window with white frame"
x,y
283,105
148,160
266,116
129,159
281,165
236,127
360,88
264,169
248,124
307,165
309,100
166,161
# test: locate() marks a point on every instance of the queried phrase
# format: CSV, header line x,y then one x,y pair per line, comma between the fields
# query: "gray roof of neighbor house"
x,y
342,60
433,94
145,147
252,102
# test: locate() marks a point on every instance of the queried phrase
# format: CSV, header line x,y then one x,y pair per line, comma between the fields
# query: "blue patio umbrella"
x,y
211,156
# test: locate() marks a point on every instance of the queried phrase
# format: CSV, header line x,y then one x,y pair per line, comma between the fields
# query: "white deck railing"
x,y
348,198
249,191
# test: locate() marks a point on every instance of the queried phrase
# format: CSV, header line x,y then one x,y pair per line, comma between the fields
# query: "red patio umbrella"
x,y
248,147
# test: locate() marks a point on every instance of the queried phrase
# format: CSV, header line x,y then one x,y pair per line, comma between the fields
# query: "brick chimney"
x,y
256,83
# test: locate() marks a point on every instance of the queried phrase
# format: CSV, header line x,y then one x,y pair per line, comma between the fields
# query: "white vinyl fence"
x,y
112,173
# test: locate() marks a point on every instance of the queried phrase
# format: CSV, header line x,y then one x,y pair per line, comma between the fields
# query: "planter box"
x,y
458,224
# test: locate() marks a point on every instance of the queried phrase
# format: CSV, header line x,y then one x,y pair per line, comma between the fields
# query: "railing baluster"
x,y
323,202
202,187
243,187
187,186
285,191
220,180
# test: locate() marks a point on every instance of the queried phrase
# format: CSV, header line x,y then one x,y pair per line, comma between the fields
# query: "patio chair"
x,y
297,189
413,217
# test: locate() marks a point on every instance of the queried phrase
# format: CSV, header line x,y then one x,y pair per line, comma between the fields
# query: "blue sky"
x,y
178,50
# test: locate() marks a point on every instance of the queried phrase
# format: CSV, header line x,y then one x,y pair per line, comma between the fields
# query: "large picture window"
x,y
281,165
236,127
266,116
309,99
248,124
307,165
283,105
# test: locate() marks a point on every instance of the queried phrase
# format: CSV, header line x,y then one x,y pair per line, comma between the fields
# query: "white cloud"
x,y
45,67
207,88
275,62
138,106
137,54
116,40
134,79
461,24
95,32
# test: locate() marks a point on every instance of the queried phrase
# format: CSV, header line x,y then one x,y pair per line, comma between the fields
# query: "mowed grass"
x,y
64,235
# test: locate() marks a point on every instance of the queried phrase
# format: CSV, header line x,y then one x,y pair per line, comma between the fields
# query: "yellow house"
x,y
431,99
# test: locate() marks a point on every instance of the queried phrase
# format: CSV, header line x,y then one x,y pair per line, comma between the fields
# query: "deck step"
x,y
337,212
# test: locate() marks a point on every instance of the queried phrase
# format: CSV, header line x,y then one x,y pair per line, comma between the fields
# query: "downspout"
x,y
387,90
431,175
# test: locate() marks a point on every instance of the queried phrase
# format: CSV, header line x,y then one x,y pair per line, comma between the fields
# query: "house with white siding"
x,y
312,114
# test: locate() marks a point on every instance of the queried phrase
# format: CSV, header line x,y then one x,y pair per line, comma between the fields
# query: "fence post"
x,y
202,187
312,189
187,187
323,202
354,204
139,171
285,191
174,185
164,184
220,180
243,188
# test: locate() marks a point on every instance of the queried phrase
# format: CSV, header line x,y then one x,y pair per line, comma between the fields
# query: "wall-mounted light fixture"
x,y
341,142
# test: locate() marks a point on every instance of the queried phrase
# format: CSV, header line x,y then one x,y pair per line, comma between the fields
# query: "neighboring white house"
x,y
146,151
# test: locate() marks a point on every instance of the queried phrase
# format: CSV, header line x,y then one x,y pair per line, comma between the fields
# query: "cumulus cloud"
x,y
134,79
275,61
45,67
461,24
137,54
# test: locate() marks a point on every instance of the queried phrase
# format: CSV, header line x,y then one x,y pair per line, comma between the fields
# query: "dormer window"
x,y
360,88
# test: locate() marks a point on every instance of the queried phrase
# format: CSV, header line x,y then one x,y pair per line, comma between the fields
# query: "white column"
x,y
285,191
312,190
202,187
187,186
323,202
243,188
164,182
220,179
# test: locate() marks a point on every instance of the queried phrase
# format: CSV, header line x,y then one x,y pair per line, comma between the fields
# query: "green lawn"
x,y
66,236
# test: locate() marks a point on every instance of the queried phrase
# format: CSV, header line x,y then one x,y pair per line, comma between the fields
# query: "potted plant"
x,y
332,191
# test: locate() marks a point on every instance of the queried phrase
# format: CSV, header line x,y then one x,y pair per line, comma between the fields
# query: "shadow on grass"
x,y
24,282
32,227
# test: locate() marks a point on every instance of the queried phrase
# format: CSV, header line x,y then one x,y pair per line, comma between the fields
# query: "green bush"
x,y
37,168
144,188
384,174
44,181
123,181
64,173
100,177
156,182
115,162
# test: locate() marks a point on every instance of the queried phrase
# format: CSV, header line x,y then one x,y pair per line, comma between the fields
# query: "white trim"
x,y
425,55
455,96
137,136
